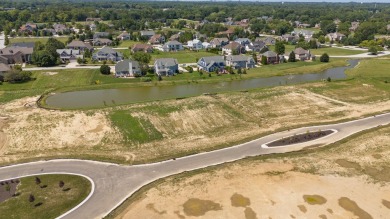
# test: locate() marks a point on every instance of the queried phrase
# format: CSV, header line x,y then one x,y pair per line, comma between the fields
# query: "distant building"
x,y
127,68
212,64
166,67
240,61
76,44
107,54
67,55
172,46
142,48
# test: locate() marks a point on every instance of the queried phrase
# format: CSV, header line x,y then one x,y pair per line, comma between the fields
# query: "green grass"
x,y
185,56
34,39
54,201
134,129
332,51
128,43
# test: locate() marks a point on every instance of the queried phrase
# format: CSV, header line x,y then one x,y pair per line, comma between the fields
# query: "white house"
x,y
172,46
195,44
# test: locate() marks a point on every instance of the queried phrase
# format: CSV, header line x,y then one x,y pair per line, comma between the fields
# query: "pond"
x,y
111,97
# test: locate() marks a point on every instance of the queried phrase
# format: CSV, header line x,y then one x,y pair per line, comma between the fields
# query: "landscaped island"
x,y
301,138
44,196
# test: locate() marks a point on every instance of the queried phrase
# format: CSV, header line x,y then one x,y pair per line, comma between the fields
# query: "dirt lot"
x,y
187,126
346,180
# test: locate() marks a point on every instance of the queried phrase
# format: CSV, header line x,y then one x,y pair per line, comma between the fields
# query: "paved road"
x,y
114,183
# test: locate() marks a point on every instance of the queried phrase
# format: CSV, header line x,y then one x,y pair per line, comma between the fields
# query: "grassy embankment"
x,y
55,200
84,79
332,51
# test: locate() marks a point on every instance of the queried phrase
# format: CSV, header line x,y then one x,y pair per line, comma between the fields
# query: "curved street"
x,y
114,183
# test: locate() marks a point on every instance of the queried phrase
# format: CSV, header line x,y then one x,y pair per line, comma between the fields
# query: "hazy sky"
x,y
364,1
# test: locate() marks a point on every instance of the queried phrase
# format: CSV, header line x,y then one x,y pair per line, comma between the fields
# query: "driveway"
x,y
114,183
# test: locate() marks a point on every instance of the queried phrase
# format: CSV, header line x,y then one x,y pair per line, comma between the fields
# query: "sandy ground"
x,y
195,124
333,183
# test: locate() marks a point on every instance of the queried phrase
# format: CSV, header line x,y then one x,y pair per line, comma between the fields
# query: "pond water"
x,y
110,97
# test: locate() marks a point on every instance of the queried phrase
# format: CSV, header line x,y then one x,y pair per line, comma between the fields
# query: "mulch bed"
x,y
296,139
4,194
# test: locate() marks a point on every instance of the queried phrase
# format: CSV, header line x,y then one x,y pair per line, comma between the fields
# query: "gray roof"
x,y
78,43
24,44
14,49
270,54
101,34
109,50
69,51
147,33
173,42
238,58
124,65
166,62
210,59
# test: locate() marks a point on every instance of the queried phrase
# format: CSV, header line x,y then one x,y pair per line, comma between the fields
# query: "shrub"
x,y
291,57
324,58
105,69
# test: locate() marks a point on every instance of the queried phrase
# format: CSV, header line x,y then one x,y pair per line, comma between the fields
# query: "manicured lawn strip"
x,y
134,129
128,43
54,200
35,39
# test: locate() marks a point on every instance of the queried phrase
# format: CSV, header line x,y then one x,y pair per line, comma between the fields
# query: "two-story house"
x,y
166,66
240,61
157,39
195,44
76,44
172,46
107,54
211,64
67,55
127,68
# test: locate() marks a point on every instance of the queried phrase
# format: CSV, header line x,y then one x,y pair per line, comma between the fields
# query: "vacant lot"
x,y
346,180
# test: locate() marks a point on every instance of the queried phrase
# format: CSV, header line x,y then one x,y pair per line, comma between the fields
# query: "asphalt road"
x,y
114,183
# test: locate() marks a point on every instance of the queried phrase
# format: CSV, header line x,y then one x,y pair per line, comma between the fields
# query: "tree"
x,y
244,72
324,58
373,50
291,57
37,180
31,198
52,45
43,58
17,76
239,71
321,39
79,60
87,53
61,184
105,69
264,60
6,40
143,58
8,188
279,47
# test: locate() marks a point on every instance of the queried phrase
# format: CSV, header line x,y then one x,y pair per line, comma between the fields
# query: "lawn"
x,y
367,82
128,43
185,56
35,39
332,51
54,200
137,130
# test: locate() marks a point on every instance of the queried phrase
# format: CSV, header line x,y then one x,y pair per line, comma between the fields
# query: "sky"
x,y
344,1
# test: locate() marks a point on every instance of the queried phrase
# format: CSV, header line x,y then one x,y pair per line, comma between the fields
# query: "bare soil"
x,y
306,185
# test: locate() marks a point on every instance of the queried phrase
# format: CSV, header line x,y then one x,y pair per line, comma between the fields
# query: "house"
x,y
243,41
76,44
211,64
67,55
142,48
233,48
28,27
107,54
240,61
157,39
195,44
166,67
206,45
147,34
101,42
101,35
124,36
172,46
335,36
60,28
227,33
256,46
270,41
92,27
302,54
4,68
289,38
354,26
127,68
48,31
272,57
305,33
219,42
16,54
